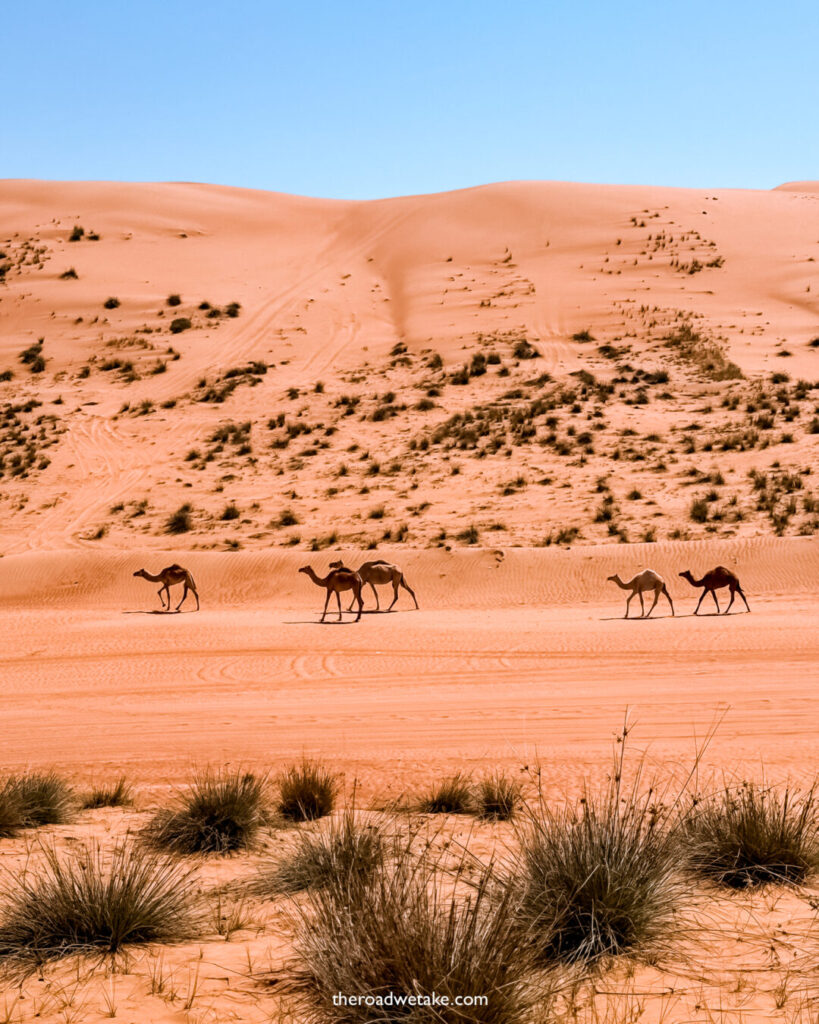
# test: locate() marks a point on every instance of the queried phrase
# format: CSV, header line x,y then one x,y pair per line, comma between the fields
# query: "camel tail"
x,y
191,580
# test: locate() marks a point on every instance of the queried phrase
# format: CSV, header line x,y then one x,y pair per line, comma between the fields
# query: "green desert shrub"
x,y
749,835
407,931
306,791
89,902
219,812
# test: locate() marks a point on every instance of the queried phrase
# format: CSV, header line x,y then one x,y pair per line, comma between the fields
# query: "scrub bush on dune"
x,y
600,877
750,835
348,849
405,931
452,795
87,902
220,812
306,791
44,797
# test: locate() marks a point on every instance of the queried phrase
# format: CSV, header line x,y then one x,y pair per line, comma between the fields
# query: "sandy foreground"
x,y
516,658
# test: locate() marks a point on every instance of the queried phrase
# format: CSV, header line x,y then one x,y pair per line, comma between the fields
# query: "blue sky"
x,y
364,99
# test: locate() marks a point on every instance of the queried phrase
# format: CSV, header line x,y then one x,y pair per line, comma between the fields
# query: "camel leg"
x,y
408,588
702,595
326,602
656,599
196,595
161,598
168,596
394,594
665,591
716,602
642,604
739,590
360,603
628,602
184,595
338,598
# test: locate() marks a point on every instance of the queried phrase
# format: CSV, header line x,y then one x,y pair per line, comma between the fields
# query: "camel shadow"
x,y
158,611
636,618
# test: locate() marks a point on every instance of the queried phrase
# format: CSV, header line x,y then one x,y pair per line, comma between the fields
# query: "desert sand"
x,y
514,392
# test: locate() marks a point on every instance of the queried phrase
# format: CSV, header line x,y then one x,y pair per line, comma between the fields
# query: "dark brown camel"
x,y
168,577
334,582
712,582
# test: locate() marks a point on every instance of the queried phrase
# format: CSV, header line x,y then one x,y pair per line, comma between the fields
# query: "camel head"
x,y
613,579
687,575
140,572
306,568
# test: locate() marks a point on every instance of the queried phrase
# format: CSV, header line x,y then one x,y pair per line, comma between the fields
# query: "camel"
x,y
645,580
334,582
381,572
712,582
168,577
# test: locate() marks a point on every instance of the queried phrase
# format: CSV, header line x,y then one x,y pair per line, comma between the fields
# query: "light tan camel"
x,y
645,580
334,582
712,582
381,572
169,577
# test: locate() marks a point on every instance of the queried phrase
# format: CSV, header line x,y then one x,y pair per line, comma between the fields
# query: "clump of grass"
x,y
599,878
86,902
220,812
750,835
400,935
497,797
306,791
111,303
347,850
44,798
12,818
117,794
452,795
181,323
180,521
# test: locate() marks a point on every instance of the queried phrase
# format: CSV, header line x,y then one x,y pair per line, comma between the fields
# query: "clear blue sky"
x,y
363,99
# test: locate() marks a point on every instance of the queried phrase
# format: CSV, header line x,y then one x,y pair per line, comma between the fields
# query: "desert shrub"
x,y
44,798
181,323
698,511
582,336
470,535
76,233
180,521
219,812
497,797
230,512
306,791
452,795
12,818
174,300
87,902
401,931
600,877
69,275
111,303
117,794
232,309
750,835
523,349
347,851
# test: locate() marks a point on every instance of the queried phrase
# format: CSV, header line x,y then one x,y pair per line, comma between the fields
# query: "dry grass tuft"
x,y
221,812
306,791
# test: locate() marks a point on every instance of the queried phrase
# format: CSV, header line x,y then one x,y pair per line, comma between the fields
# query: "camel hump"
x,y
173,568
